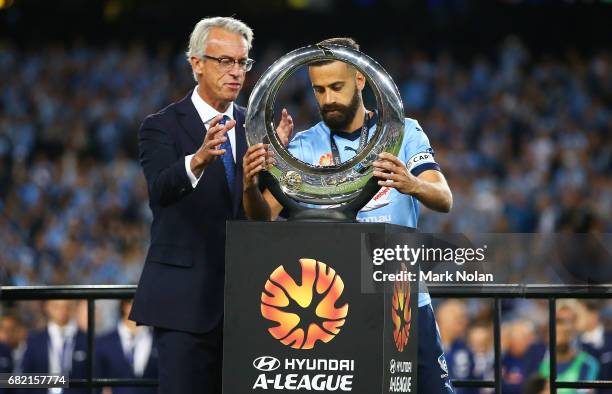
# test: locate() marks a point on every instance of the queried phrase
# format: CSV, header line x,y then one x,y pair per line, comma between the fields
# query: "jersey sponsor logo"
x,y
380,200
376,219
383,192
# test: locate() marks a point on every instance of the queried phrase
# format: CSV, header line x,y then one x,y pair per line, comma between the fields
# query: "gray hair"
x,y
199,35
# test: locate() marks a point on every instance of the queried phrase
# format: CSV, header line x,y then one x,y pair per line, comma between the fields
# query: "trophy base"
x,y
330,215
366,345
346,213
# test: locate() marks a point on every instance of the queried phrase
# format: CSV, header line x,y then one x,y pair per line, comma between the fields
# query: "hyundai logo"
x,y
266,363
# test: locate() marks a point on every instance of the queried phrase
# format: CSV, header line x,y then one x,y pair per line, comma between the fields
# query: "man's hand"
x,y
209,150
257,206
429,187
257,158
285,127
393,173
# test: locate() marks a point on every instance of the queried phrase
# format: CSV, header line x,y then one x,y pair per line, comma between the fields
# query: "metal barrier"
x,y
494,292
91,294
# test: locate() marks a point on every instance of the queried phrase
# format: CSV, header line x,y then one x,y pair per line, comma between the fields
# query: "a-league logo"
x,y
304,313
401,313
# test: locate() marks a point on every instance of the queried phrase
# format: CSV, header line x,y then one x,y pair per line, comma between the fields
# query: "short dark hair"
x,y
592,305
12,314
342,41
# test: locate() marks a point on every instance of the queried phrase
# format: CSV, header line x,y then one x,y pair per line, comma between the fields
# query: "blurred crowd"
x,y
124,350
56,342
524,140
583,344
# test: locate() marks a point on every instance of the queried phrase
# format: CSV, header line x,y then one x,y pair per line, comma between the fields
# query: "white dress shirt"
x,y
207,113
57,336
18,353
141,342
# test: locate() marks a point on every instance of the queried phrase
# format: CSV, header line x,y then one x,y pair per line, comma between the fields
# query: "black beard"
x,y
344,116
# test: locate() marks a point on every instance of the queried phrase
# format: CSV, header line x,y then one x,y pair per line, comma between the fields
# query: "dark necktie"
x,y
130,353
65,354
228,159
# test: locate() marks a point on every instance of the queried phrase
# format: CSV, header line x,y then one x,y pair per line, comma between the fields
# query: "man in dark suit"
x,y
61,348
191,153
128,352
14,333
6,363
595,339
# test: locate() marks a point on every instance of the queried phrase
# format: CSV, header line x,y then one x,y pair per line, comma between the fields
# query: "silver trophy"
x,y
347,186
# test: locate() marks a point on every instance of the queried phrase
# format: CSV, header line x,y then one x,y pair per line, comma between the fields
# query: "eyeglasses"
x,y
227,63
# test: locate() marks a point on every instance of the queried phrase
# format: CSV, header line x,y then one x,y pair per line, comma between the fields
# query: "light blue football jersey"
x,y
313,146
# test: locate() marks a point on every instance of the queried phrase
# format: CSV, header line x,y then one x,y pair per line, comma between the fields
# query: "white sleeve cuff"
x,y
192,178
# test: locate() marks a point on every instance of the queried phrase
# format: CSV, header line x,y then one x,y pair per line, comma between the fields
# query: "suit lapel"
x,y
194,127
190,120
121,354
151,368
45,350
241,147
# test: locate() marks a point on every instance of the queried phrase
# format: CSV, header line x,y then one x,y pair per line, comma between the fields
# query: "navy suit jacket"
x,y
36,359
6,363
181,286
604,356
112,363
6,359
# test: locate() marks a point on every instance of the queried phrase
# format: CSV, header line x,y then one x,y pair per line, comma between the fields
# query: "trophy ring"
x,y
348,182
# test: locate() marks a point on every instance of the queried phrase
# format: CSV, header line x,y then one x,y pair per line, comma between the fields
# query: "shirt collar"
x,y
69,330
205,110
125,333
594,337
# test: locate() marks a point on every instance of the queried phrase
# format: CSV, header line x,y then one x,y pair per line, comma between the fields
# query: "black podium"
x,y
297,318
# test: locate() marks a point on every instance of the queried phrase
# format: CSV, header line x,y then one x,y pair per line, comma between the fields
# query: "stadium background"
x,y
515,96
